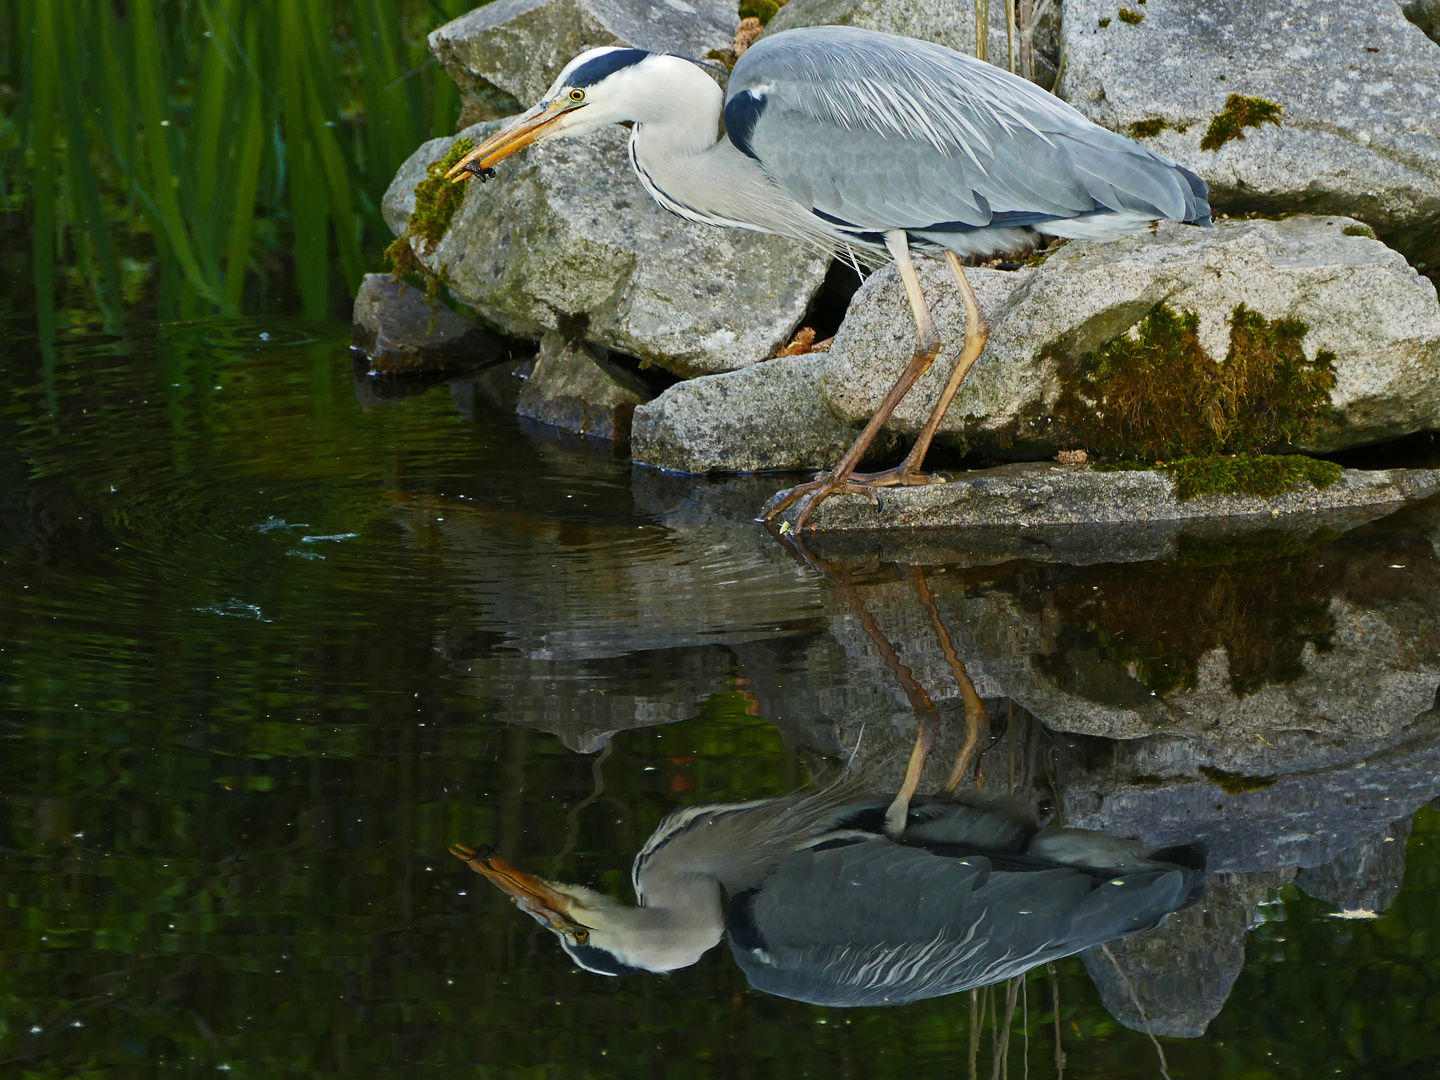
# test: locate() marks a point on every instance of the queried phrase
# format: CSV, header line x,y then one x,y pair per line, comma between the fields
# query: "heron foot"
x,y
816,491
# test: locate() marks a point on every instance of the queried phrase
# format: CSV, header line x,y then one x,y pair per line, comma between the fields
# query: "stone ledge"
x,y
1045,494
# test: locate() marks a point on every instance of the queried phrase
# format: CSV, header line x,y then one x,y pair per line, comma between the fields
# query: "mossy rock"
x,y
1155,394
436,201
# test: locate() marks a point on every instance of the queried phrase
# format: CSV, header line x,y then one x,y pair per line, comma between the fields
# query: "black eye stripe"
x,y
602,67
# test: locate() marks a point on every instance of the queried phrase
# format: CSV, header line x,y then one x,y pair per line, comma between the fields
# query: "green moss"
x,y
1261,475
1360,230
764,10
1234,783
1134,18
1147,129
724,57
1239,113
1156,395
1104,23
436,201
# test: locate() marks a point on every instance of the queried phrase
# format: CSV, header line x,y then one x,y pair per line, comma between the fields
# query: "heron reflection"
x,y
823,902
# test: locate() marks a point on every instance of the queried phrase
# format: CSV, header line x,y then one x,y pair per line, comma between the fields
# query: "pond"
x,y
276,636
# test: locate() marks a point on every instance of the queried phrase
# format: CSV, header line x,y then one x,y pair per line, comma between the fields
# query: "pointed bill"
x,y
512,138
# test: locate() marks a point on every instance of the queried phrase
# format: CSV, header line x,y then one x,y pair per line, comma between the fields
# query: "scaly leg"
x,y
907,473
927,345
977,333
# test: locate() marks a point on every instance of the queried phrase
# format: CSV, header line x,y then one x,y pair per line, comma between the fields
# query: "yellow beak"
x,y
529,893
514,137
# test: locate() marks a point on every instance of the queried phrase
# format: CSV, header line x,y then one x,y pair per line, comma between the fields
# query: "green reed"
x,y
196,152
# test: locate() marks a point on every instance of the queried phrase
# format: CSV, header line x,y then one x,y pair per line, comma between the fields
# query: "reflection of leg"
x,y
927,345
900,807
975,714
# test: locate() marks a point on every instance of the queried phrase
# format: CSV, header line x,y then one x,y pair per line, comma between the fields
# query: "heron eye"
x,y
577,95
581,936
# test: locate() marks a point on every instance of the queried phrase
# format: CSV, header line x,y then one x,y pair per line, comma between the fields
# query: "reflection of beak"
x,y
529,893
514,137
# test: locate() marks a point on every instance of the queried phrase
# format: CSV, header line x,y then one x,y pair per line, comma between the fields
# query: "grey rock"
x,y
399,331
520,46
565,238
768,416
1044,494
1359,134
573,386
1178,977
1358,298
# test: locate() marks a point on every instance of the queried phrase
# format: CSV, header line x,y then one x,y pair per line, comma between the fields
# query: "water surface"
x,y
274,636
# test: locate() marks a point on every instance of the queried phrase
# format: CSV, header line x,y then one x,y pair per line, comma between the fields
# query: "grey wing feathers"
x,y
874,923
880,132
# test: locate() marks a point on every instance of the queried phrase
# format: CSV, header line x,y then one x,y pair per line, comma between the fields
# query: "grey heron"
x,y
822,903
861,141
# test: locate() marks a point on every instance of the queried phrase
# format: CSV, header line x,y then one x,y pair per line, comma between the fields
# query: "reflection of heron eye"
x,y
581,936
577,95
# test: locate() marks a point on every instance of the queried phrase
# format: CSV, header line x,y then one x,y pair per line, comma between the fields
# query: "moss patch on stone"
x,y
436,201
1147,129
1360,230
1154,394
1133,18
1104,23
1239,113
1261,475
764,10
1235,783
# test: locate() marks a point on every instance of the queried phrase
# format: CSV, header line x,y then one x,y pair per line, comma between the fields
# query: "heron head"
x,y
600,934
610,85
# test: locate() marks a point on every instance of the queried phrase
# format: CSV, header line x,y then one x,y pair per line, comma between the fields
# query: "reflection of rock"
x,y
1350,137
1357,298
1181,973
1365,877
1036,493
768,416
399,330
565,238
520,46
573,386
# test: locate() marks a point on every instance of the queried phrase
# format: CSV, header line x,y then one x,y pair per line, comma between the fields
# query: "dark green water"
x,y
270,642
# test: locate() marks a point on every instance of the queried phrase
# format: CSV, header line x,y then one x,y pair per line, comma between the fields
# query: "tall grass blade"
x,y
68,54
42,183
247,173
149,77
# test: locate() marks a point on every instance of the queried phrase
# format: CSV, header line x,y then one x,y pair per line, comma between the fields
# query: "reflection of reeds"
x,y
197,137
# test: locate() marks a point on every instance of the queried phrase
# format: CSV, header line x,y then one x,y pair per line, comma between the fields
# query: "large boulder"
x,y
1347,295
764,417
1356,131
565,238
519,46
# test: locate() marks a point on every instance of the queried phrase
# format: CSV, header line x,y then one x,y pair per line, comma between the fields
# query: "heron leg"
x,y
927,346
977,333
